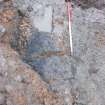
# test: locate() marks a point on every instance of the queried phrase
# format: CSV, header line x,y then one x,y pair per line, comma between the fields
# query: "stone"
x,y
44,23
19,78
2,30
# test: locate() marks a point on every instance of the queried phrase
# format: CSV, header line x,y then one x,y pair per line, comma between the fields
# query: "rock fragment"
x,y
2,30
44,23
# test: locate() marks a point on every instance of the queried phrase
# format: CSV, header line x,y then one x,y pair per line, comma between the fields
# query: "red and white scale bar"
x,y
69,12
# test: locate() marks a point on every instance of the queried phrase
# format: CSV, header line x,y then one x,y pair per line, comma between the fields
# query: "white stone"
x,y
44,23
2,30
18,78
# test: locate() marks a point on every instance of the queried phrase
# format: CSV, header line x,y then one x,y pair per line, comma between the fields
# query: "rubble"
x,y
22,86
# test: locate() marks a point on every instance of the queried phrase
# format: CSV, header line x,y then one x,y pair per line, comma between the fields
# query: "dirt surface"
x,y
35,66
20,85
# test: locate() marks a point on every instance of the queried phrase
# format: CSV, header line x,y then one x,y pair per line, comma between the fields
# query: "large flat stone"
x,y
44,23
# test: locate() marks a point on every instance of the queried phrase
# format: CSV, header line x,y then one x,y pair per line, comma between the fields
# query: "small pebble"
x,y
2,99
2,30
18,78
